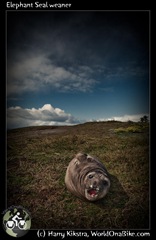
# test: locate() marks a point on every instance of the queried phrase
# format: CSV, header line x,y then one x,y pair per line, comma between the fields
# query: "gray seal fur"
x,y
87,178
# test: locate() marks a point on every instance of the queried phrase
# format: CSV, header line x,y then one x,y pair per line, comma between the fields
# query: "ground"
x,y
37,158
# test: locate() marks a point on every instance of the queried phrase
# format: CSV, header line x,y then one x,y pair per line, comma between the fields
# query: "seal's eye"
x,y
90,176
105,182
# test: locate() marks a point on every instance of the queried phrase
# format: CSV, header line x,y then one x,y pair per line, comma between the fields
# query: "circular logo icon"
x,y
16,221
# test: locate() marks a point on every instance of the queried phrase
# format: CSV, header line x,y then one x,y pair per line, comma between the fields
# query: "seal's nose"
x,y
94,183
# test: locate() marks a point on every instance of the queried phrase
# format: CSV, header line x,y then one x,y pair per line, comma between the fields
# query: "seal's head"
x,y
96,185
86,177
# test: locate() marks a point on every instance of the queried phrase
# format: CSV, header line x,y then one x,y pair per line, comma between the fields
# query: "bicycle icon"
x,y
16,222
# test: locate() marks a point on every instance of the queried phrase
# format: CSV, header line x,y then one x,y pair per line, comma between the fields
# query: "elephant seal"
x,y
87,178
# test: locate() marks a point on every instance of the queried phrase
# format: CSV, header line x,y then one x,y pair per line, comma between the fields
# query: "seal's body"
x,y
87,178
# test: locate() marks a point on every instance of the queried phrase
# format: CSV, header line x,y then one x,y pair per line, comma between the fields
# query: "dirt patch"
x,y
40,132
51,131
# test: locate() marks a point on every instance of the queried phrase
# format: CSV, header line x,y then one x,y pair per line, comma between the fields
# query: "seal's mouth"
x,y
93,192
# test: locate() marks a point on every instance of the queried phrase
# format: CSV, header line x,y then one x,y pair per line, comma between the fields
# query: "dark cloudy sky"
x,y
70,67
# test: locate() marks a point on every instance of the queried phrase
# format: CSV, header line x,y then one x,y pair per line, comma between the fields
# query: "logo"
x,y
16,221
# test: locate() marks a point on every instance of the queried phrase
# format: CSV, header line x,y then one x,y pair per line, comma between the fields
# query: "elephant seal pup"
x,y
87,178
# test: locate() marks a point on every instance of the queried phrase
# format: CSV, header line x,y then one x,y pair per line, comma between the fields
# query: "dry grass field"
x,y
37,158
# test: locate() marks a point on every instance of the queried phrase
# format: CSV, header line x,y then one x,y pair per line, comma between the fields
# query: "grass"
x,y
37,158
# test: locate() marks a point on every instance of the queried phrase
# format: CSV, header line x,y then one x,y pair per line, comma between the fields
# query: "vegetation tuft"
x,y
37,158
